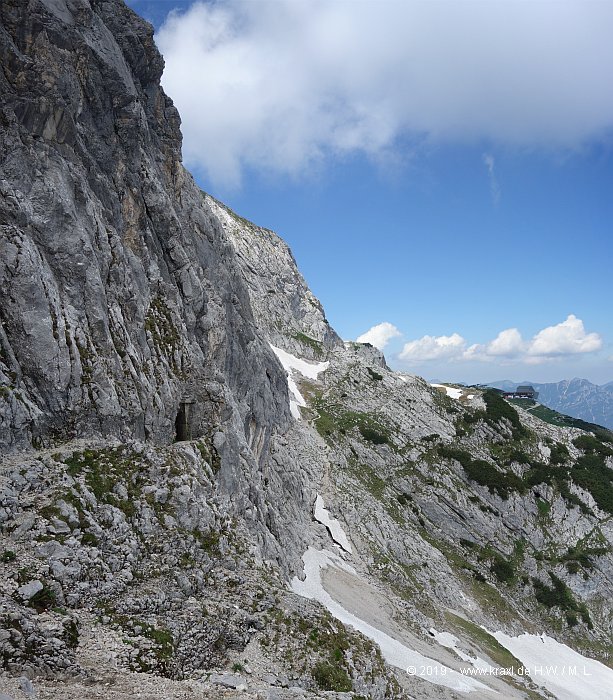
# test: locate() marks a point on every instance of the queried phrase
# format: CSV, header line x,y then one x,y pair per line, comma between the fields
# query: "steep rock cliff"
x,y
285,309
122,302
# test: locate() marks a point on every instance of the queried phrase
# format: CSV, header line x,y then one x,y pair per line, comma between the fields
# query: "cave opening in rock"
x,y
182,428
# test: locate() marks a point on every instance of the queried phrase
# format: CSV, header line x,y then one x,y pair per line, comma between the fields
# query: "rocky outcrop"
x,y
123,307
125,320
285,309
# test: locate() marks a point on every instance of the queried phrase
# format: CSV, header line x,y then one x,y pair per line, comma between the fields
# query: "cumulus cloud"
x,y
433,348
280,84
506,345
564,339
379,335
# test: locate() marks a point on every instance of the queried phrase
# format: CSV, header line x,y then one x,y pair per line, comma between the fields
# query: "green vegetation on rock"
x,y
315,345
548,415
333,419
560,596
497,409
331,677
483,472
591,472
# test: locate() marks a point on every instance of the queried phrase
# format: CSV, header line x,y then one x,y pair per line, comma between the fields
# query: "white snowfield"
x,y
446,639
393,651
452,392
307,369
564,672
334,527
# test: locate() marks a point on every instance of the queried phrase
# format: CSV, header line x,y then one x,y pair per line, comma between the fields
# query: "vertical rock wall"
x,y
121,297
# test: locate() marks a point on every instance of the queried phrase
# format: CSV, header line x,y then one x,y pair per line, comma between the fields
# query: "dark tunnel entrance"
x,y
182,426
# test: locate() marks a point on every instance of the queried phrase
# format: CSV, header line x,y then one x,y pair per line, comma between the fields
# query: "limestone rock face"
x,y
285,309
126,324
121,296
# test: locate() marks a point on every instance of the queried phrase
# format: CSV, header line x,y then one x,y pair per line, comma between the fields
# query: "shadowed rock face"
x,y
121,297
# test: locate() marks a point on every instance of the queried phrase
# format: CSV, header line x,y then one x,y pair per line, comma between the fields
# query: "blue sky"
x,y
442,168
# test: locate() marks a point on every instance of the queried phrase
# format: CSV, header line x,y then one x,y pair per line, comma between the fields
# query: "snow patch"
x,y
450,641
393,651
452,392
558,668
334,527
292,364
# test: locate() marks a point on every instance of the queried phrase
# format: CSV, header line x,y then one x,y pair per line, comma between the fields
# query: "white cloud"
x,y
564,339
379,335
433,348
279,84
507,344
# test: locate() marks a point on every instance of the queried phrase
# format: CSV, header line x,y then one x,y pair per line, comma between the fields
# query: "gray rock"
x,y
30,589
274,694
27,687
283,305
228,680
128,326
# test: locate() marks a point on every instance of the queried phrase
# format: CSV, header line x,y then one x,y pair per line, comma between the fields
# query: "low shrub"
x,y
42,600
496,408
374,436
592,474
589,443
559,454
560,596
483,472
375,376
502,569
331,677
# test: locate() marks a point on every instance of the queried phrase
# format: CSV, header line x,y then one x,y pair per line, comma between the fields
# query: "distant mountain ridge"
x,y
576,397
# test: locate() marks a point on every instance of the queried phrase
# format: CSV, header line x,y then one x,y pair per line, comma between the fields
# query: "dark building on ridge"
x,y
524,391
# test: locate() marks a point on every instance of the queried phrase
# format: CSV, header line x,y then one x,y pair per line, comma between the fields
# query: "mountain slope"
x,y
581,399
168,526
578,398
123,270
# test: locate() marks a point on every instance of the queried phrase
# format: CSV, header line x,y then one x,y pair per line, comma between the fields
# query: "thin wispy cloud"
x,y
490,164
279,85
